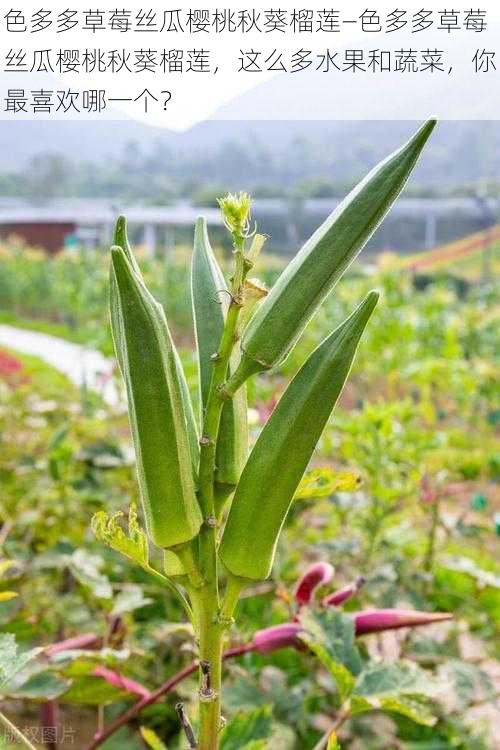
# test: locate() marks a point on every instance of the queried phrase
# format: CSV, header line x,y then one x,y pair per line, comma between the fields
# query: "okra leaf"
x,y
133,544
210,299
330,637
246,729
11,661
87,570
130,598
324,482
314,271
88,690
284,448
401,687
414,707
401,678
151,739
42,686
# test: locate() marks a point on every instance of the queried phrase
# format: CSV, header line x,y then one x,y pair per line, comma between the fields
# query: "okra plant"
x,y
213,506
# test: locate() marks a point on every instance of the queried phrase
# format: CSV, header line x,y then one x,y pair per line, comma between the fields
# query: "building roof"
x,y
102,213
99,213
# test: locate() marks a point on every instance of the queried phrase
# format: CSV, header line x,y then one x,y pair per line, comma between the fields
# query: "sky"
x,y
178,101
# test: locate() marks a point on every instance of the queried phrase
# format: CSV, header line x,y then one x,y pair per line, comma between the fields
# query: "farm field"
x,y
402,492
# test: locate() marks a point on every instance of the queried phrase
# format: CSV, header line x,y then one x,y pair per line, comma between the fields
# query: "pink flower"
x,y
341,596
123,683
318,574
277,637
377,620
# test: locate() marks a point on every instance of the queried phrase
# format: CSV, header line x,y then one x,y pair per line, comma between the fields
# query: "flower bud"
x,y
377,620
341,596
84,641
318,574
120,682
235,209
277,637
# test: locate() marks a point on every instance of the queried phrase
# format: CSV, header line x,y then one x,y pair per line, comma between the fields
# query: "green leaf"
x,y
284,448
414,707
6,566
40,687
77,662
399,678
210,299
93,691
150,368
468,682
333,743
401,687
86,568
325,482
133,544
11,661
314,271
129,599
484,578
330,636
246,729
151,739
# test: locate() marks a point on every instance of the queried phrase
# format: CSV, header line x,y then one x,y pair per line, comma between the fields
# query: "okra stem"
x,y
206,602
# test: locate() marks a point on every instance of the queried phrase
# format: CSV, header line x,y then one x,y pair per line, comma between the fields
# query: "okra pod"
x,y
284,448
150,368
210,298
121,240
312,274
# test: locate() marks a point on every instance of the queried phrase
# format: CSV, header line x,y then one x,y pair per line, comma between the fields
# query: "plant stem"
x,y
431,545
15,733
155,696
342,716
210,632
208,624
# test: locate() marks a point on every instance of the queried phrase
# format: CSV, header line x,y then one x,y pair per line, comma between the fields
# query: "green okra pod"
x,y
121,240
150,369
315,270
210,298
284,448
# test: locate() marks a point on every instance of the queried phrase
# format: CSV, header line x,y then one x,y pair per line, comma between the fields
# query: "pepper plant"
x,y
213,507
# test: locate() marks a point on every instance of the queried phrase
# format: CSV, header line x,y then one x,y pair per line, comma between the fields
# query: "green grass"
x,y
49,382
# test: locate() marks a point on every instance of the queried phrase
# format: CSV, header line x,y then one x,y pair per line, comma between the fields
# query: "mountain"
x,y
459,151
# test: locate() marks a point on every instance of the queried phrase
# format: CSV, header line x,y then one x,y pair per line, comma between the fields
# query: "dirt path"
x,y
81,365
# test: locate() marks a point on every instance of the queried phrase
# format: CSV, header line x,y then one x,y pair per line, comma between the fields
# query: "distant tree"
x,y
207,195
48,176
317,188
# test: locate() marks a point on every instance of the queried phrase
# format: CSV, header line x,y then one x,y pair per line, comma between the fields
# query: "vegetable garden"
x,y
164,608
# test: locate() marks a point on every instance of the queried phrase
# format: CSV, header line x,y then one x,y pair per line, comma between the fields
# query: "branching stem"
x,y
209,625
